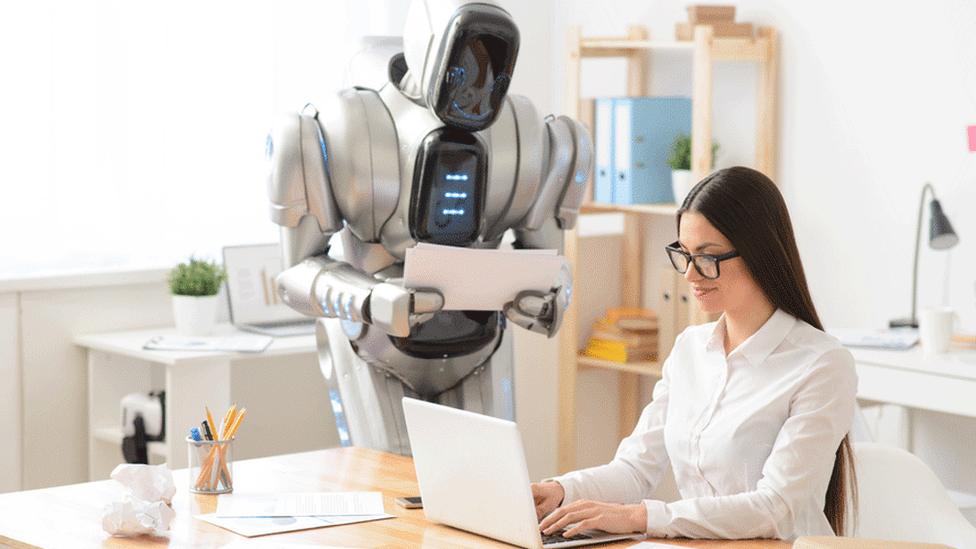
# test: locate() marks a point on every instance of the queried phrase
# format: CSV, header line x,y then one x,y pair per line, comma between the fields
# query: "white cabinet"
x,y
118,365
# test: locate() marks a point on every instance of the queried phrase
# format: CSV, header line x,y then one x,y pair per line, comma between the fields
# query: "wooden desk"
x,y
70,516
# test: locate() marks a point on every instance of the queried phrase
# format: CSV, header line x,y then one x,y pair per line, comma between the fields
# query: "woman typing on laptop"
x,y
752,412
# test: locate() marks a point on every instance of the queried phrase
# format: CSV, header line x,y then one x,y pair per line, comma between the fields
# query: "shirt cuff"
x,y
658,516
569,488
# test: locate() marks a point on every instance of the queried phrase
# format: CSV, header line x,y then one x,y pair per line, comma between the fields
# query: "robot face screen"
x,y
447,198
477,59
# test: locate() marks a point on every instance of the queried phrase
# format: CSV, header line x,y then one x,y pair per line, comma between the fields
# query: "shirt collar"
x,y
757,347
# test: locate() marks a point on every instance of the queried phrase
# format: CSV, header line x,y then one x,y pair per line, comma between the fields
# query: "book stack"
x,y
624,335
720,18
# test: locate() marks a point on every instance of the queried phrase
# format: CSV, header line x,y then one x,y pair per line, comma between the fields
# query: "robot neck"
x,y
409,86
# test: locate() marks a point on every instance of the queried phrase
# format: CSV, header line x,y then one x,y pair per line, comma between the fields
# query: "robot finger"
x,y
427,301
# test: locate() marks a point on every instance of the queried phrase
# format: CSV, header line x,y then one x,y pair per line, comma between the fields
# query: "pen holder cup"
x,y
211,466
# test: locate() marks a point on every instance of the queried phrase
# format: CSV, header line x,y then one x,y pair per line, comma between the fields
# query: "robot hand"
x,y
542,312
395,309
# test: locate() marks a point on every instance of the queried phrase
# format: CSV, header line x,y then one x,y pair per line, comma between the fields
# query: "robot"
x,y
441,154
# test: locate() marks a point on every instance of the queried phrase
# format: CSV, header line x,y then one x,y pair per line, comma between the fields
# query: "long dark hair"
x,y
746,207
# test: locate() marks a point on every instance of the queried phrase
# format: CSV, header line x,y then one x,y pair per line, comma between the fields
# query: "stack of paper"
x,y
236,343
474,279
257,515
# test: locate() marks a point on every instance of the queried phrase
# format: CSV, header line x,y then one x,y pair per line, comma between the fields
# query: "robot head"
x,y
463,53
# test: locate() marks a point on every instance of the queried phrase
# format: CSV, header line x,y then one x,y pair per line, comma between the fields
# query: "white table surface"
x,y
130,344
959,363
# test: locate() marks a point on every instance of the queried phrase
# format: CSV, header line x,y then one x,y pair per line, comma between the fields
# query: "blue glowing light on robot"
x,y
452,212
455,195
456,177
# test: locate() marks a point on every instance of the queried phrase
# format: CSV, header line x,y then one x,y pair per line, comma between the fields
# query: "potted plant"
x,y
680,162
195,286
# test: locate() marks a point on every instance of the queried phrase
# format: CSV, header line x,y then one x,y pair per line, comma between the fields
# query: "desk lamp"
x,y
941,237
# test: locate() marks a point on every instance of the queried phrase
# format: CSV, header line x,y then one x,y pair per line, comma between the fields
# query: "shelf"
x,y
635,48
114,435
725,49
642,209
644,368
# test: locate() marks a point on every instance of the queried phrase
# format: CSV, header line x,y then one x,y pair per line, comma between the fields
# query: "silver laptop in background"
x,y
252,296
472,475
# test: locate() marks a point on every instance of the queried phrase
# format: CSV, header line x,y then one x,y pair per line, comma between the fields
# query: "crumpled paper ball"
x,y
146,506
146,482
133,517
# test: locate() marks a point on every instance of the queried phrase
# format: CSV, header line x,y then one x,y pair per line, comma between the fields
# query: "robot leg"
x,y
366,401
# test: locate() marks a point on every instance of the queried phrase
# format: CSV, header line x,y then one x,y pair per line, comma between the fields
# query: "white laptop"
x,y
472,476
252,296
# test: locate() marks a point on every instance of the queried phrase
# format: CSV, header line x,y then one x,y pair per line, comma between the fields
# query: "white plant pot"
x,y
194,315
681,184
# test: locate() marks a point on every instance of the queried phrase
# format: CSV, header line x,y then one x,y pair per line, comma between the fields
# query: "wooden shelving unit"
x,y
635,48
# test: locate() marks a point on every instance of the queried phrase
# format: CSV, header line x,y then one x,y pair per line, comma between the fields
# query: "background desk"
x,y
942,383
70,516
287,402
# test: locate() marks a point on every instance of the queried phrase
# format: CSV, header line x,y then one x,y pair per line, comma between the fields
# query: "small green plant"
x,y
680,158
196,278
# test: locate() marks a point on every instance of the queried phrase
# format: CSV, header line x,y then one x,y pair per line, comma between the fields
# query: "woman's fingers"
x,y
570,518
588,524
557,514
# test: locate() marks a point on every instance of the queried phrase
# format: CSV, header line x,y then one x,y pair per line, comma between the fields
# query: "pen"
x,y
195,434
206,430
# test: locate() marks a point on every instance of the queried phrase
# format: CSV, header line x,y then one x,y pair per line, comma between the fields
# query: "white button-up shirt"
x,y
751,437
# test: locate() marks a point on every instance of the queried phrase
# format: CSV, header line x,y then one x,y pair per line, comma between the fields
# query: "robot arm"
x,y
303,206
570,160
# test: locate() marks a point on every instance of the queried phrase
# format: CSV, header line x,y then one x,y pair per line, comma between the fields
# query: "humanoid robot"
x,y
438,154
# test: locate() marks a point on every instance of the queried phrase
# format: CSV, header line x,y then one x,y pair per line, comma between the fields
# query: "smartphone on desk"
x,y
411,502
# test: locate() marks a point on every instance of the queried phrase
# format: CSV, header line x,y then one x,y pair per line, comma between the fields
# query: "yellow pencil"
x,y
237,423
222,450
211,423
228,417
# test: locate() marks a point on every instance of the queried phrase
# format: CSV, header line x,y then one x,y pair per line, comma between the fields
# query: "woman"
x,y
752,412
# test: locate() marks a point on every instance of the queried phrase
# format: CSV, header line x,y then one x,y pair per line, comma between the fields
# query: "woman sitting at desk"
x,y
752,412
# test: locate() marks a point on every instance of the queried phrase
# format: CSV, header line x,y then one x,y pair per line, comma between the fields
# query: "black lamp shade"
x,y
941,235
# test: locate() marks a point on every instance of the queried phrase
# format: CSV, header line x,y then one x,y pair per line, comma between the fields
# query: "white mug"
x,y
935,326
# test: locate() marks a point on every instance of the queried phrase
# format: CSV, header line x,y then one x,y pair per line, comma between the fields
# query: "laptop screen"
x,y
251,290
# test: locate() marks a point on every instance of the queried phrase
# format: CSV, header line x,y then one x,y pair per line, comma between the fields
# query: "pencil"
x,y
228,417
210,420
237,423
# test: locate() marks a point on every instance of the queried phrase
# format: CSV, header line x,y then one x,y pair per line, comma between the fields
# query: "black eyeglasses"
x,y
705,264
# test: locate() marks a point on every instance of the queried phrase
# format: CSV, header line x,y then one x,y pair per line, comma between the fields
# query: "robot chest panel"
x,y
448,188
454,184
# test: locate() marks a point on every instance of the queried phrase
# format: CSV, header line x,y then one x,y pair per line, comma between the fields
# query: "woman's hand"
x,y
547,495
595,515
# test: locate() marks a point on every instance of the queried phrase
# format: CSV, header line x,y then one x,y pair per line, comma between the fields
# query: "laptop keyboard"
x,y
558,537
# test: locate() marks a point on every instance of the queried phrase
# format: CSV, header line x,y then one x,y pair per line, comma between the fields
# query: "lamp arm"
x,y
918,240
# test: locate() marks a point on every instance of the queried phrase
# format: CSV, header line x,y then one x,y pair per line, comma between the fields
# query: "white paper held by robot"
x,y
473,279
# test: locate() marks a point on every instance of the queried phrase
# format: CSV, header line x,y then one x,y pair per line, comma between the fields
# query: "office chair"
x,y
901,499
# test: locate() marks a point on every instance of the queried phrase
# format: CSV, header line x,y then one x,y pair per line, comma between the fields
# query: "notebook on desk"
x,y
252,294
896,339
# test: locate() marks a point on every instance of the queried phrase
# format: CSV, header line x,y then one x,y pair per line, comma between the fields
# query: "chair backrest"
x,y
901,499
